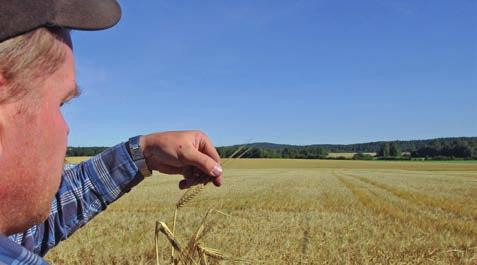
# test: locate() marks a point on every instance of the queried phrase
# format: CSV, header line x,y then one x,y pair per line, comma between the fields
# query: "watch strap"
x,y
138,156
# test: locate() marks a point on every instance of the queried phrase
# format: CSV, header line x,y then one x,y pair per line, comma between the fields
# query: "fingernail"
x,y
217,171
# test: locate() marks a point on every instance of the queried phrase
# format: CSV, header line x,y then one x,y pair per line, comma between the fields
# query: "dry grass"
x,y
298,212
459,208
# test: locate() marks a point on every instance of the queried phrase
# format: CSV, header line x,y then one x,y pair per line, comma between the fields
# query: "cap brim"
x,y
86,14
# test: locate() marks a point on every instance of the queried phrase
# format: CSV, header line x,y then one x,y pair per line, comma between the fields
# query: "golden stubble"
x,y
286,213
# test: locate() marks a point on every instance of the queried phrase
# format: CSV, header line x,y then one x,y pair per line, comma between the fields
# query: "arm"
x,y
88,188
85,191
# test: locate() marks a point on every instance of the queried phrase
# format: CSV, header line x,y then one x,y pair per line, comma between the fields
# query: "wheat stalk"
x,y
191,246
156,242
218,254
187,255
202,256
229,159
162,227
173,232
236,151
199,233
212,252
186,197
191,193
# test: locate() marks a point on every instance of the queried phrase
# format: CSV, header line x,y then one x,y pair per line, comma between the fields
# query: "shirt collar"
x,y
11,252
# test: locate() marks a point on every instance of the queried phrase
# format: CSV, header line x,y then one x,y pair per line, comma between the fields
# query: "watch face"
x,y
137,154
135,149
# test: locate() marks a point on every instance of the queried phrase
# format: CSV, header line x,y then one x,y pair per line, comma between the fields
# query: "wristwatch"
x,y
137,156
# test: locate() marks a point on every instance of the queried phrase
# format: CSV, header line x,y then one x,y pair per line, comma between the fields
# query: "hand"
x,y
189,153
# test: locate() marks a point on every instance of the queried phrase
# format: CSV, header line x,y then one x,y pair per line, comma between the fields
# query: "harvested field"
x,y
300,212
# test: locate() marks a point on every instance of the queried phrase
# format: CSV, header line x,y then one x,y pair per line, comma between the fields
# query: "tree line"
x,y
405,146
444,150
438,149
441,148
296,152
85,151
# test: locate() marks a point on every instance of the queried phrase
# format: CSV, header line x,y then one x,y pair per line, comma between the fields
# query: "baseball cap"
x,y
21,16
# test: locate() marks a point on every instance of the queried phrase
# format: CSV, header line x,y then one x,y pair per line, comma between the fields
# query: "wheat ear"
x,y
186,197
220,255
202,256
191,193
211,252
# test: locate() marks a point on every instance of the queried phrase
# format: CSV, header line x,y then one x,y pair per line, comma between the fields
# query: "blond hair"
x,y
28,59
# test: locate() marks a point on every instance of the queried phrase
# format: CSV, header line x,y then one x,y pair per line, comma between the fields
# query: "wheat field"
x,y
298,212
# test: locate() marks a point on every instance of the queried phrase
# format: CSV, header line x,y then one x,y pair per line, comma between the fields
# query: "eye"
x,y
64,102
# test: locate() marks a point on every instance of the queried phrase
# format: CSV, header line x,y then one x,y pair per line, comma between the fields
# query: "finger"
x,y
208,148
188,172
191,172
170,170
203,179
202,161
187,183
217,181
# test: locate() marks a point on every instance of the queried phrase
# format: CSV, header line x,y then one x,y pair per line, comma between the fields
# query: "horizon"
x,y
295,72
252,143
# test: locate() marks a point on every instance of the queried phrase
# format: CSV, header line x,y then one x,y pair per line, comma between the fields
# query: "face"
x,y
34,146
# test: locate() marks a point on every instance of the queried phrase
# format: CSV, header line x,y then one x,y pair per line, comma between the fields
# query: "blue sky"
x,y
296,72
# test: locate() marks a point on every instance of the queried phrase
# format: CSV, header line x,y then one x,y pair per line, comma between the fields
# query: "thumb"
x,y
203,162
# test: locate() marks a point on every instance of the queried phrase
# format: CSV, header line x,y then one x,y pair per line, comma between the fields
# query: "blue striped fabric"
x,y
86,190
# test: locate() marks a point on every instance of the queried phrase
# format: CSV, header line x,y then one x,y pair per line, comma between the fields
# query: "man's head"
x,y
36,77
30,58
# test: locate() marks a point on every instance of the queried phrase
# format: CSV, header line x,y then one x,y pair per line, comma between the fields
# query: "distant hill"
x,y
370,147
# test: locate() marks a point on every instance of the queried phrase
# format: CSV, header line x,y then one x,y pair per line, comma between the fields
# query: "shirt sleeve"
x,y
85,190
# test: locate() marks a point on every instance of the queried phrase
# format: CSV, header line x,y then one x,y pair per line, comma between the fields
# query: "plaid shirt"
x,y
86,190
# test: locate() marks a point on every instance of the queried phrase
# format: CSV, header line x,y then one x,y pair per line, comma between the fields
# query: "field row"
x,y
456,218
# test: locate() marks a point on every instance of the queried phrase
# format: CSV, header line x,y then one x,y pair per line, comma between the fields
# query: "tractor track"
x,y
422,199
380,207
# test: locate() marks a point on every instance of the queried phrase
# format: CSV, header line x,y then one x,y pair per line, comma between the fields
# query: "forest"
x,y
435,149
